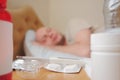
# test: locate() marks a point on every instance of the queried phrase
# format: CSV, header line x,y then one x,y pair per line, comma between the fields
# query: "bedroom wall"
x,y
58,13
40,6
63,11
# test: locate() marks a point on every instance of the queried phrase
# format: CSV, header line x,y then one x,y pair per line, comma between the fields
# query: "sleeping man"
x,y
53,39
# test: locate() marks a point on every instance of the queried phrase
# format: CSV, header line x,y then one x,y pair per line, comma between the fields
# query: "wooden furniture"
x,y
23,19
49,75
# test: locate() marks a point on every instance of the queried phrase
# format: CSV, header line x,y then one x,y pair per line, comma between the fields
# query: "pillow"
x,y
75,25
40,51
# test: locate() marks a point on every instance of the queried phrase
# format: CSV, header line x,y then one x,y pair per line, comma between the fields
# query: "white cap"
x,y
105,42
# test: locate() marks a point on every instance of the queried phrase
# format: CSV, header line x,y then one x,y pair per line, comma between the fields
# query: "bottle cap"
x,y
3,4
105,41
4,15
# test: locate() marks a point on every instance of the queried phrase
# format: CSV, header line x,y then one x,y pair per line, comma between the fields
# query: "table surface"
x,y
44,74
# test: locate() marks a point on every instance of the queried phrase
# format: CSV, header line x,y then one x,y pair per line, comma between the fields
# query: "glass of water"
x,y
27,68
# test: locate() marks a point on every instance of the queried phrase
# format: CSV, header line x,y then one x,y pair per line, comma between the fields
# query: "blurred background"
x,y
58,13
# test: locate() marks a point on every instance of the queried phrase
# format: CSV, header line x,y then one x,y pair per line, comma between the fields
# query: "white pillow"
x,y
40,51
75,25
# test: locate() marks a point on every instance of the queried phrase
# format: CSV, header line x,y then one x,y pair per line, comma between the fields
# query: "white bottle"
x,y
6,43
105,55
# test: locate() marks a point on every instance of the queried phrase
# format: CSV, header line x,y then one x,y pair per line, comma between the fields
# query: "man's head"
x,y
49,36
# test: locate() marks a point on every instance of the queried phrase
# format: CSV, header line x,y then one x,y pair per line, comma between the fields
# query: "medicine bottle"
x,y
6,43
105,55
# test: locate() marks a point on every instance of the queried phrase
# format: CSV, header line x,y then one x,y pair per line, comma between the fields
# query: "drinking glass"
x,y
27,68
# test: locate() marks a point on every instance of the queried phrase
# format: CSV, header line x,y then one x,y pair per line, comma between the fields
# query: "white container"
x,y
105,55
6,43
6,50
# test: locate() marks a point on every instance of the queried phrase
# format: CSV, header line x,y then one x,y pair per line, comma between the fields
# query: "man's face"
x,y
48,36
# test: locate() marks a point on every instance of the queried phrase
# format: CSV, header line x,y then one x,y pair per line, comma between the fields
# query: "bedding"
x,y
35,50
40,51
74,26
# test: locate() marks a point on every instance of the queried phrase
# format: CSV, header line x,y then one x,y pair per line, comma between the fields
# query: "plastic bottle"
x,y
105,47
105,55
111,11
6,43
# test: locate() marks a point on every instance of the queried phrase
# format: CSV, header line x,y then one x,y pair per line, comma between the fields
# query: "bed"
x,y
25,23
23,18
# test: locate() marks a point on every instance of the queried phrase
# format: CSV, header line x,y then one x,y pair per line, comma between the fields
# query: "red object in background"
x,y
6,76
4,15
3,4
6,50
